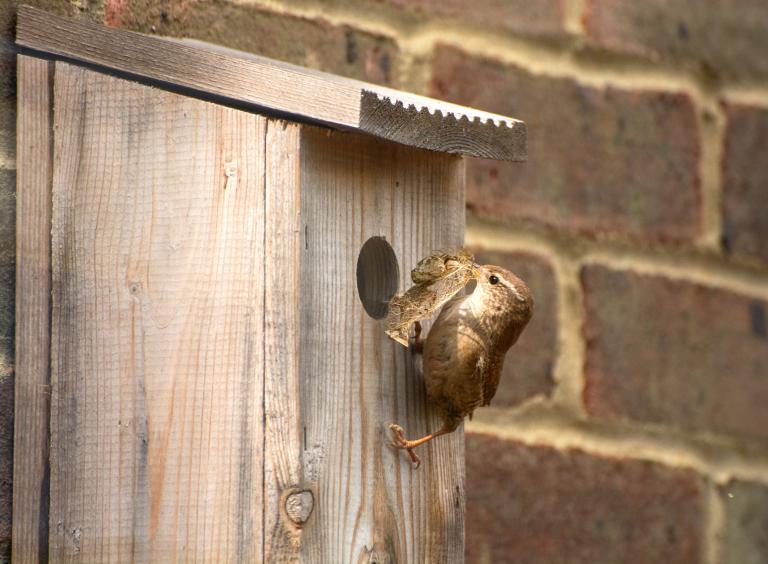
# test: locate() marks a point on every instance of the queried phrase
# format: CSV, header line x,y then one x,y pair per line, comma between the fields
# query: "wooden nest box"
x,y
207,242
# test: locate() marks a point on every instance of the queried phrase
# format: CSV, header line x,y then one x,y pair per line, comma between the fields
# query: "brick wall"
x,y
632,422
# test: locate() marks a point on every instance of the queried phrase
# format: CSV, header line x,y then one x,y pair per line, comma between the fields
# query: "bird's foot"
x,y
418,345
400,442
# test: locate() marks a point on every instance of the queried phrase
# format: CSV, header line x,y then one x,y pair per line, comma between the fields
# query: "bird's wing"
x,y
490,373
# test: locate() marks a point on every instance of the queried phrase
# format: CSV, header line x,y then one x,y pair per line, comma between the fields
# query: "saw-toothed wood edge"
x,y
272,87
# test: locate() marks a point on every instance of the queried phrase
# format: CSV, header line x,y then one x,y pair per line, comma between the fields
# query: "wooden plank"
x,y
33,300
157,337
282,432
418,122
370,505
276,88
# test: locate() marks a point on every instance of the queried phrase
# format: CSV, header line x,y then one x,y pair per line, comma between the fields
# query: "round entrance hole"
x,y
377,276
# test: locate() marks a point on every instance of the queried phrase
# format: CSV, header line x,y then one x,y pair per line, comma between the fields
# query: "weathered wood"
x,y
157,330
277,88
282,431
33,301
369,504
217,390
439,126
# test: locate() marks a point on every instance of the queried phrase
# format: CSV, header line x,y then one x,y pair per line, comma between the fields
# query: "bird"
x,y
464,352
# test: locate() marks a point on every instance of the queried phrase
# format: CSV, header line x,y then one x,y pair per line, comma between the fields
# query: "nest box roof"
x,y
271,87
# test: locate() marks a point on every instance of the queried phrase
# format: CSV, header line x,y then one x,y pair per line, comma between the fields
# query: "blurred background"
x,y
632,421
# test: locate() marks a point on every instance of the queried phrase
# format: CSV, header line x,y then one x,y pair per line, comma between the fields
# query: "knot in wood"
x,y
299,505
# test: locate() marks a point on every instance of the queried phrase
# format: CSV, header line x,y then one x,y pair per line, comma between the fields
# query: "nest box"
x,y
208,241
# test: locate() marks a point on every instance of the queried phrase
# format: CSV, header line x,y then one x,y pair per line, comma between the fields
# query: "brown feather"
x,y
464,352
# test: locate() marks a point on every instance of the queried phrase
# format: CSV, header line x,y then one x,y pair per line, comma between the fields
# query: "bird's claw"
x,y
417,345
400,442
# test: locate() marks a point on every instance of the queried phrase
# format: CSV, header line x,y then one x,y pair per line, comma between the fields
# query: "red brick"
x,y
745,535
6,447
312,43
7,301
7,132
542,18
675,353
7,146
528,368
8,9
7,70
601,161
718,38
7,217
745,182
537,504
6,409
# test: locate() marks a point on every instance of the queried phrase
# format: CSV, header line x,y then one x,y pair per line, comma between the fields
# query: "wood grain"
x,y
282,302
439,127
370,505
33,302
276,88
157,329
218,392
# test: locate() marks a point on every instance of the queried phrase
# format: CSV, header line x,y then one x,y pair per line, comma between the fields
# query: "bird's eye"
x,y
493,279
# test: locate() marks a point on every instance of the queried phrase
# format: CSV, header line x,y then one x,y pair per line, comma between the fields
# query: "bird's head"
x,y
503,293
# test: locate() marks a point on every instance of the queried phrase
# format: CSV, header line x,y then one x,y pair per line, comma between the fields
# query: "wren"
x,y
465,349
